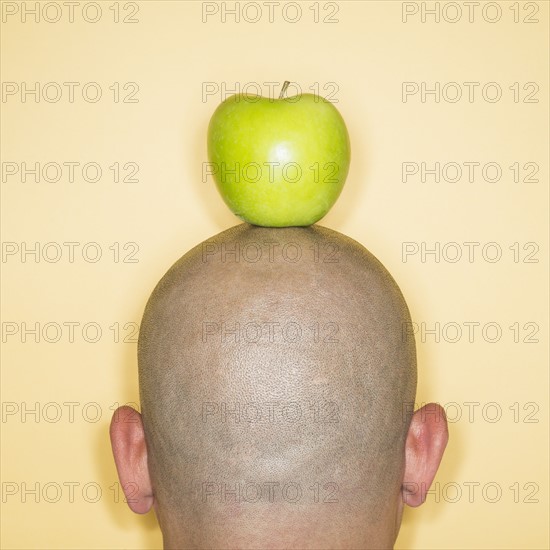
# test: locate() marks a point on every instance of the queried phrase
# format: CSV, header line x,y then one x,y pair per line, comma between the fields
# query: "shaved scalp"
x,y
276,390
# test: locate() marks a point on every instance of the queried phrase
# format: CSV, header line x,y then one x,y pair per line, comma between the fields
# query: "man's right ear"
x,y
426,440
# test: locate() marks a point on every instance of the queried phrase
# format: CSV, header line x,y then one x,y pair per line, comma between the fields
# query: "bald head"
x,y
274,383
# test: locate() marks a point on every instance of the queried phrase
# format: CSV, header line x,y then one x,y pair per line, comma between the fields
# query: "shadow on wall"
x,y
213,205
119,513
421,519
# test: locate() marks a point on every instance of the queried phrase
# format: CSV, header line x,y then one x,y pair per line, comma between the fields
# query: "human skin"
x,y
374,454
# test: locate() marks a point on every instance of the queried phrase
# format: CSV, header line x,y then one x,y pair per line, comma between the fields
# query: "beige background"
x,y
365,56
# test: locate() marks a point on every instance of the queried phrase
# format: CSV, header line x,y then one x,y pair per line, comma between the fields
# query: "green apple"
x,y
278,162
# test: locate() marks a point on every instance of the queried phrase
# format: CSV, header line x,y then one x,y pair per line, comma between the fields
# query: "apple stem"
x,y
283,90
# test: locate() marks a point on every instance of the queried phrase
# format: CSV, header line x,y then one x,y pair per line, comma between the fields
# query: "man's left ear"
x,y
130,452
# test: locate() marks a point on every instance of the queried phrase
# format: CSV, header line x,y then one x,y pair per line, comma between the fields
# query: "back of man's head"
x,y
275,386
